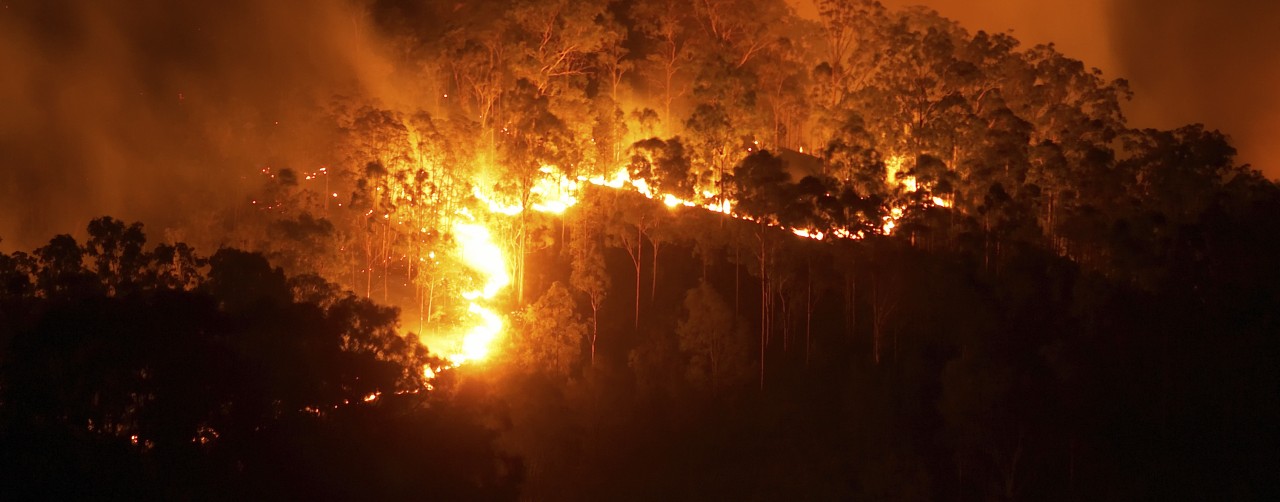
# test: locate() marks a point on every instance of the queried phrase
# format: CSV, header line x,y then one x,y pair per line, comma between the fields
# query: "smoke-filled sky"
x,y
146,109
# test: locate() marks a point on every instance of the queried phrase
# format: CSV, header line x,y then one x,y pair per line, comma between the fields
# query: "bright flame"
x,y
479,253
554,192
808,233
494,205
892,166
673,201
475,346
910,183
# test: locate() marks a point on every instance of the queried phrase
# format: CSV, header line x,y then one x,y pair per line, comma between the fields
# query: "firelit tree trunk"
x,y
636,256
595,327
519,258
653,286
386,259
637,259
368,265
764,301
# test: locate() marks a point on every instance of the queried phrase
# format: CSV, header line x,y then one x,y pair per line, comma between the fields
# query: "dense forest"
x,y
750,256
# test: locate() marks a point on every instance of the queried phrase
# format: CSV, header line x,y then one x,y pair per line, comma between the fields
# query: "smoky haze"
x,y
1216,63
152,109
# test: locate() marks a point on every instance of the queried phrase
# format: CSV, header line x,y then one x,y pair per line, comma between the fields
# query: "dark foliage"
x,y
136,381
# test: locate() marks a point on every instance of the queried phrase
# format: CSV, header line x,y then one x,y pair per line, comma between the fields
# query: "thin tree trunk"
x,y
368,266
764,307
595,327
653,288
520,258
639,256
386,259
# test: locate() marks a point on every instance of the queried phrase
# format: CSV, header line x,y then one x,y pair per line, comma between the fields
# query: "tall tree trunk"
x,y
520,256
764,305
638,257
368,266
653,287
386,259
595,327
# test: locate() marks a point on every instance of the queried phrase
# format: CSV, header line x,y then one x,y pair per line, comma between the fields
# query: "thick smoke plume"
x,y
156,109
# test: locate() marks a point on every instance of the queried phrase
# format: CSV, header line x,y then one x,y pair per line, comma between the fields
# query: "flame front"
x,y
555,193
482,255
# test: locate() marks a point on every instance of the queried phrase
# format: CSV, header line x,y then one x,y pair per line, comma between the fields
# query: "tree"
x,y
850,30
712,340
665,164
62,271
16,273
589,274
117,251
550,336
628,218
762,186
851,157
557,40
176,266
242,280
534,137
668,26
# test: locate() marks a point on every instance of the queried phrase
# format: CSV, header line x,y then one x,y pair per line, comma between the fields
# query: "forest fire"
x,y
571,249
553,192
482,255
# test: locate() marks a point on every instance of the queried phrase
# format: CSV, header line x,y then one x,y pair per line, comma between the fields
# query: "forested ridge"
x,y
897,260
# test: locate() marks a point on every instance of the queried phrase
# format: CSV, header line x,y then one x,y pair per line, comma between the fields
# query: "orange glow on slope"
x,y
554,192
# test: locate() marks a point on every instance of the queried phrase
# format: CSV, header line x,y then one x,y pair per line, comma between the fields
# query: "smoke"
x,y
1216,63
155,110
